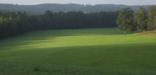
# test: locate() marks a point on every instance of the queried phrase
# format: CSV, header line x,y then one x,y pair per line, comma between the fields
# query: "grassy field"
x,y
79,52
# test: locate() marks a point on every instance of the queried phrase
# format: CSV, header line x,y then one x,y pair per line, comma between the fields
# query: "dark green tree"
x,y
152,18
125,20
141,20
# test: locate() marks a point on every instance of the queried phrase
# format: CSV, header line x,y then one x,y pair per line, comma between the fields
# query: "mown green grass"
x,y
79,52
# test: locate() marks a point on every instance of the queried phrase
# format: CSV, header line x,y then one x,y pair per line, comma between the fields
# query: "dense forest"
x,y
15,23
137,21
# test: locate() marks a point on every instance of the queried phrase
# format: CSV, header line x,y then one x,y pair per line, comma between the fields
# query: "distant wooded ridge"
x,y
41,8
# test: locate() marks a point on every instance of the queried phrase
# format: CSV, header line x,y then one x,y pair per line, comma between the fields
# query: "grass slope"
x,y
79,52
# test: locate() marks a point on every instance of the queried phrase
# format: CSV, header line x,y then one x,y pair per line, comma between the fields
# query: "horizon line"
x,y
79,4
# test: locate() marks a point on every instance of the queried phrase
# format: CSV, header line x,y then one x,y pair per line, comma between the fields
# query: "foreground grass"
x,y
79,52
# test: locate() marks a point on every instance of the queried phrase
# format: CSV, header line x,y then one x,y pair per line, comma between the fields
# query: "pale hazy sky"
x,y
127,2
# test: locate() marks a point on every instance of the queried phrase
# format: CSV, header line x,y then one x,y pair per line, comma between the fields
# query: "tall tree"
x,y
125,20
141,20
152,18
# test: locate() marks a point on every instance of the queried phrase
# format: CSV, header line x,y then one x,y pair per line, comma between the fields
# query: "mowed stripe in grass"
x,y
79,52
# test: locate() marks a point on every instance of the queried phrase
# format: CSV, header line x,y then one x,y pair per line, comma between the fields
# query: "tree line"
x,y
15,23
137,21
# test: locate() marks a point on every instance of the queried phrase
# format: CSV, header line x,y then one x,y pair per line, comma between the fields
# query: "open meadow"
x,y
79,52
